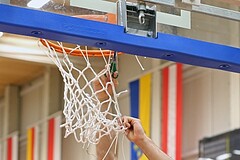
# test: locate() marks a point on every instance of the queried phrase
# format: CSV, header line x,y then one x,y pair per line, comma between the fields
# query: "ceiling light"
x,y
224,156
236,152
37,3
1,34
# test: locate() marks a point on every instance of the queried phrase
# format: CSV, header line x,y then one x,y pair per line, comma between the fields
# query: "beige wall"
x,y
212,29
1,115
208,96
206,107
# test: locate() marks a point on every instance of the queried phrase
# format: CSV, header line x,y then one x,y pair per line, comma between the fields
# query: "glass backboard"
x,y
215,21
208,20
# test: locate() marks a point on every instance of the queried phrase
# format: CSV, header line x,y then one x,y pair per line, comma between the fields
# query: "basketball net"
x,y
88,116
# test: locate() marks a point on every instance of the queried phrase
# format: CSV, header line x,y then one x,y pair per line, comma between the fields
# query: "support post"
x,y
156,104
52,102
11,114
12,108
234,101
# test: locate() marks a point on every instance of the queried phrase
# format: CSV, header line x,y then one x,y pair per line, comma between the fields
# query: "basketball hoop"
x,y
83,108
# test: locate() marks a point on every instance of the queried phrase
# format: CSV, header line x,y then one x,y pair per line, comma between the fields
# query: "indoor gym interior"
x,y
31,87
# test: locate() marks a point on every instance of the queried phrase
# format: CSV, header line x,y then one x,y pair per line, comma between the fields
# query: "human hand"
x,y
134,131
105,82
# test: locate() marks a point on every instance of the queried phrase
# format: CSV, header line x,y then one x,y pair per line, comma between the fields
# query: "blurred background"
x,y
31,88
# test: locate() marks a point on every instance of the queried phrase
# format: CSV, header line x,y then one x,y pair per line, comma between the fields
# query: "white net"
x,y
90,100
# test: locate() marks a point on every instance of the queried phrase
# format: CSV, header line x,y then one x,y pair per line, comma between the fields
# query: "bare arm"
x,y
105,142
103,146
135,133
152,151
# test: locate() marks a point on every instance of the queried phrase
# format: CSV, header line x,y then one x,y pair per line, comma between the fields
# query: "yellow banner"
x,y
145,105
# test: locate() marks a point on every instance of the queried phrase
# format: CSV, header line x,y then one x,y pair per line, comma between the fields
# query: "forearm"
x,y
106,141
103,146
151,150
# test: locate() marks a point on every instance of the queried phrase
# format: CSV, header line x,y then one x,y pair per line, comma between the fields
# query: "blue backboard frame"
x,y
35,23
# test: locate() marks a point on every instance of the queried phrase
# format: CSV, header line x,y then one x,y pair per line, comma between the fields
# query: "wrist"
x,y
142,141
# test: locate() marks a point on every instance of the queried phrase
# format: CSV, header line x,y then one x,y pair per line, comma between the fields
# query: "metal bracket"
x,y
138,18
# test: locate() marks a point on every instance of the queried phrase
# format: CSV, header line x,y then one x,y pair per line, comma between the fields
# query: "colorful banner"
x,y
172,110
32,143
54,139
12,147
140,94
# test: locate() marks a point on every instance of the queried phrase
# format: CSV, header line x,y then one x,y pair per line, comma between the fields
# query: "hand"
x,y
135,131
105,82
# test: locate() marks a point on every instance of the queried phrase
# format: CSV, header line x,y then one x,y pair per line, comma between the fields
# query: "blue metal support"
x,y
52,26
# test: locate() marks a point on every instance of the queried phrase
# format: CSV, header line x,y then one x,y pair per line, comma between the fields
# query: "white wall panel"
x,y
206,107
1,117
220,102
196,109
234,100
31,104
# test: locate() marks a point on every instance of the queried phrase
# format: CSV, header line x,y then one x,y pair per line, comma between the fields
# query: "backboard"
x,y
199,32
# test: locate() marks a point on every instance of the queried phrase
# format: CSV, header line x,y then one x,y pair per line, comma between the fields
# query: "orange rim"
x,y
108,18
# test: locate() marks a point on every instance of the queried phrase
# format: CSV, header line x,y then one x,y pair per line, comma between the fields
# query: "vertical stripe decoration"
x,y
54,139
12,147
140,95
1,156
172,111
32,143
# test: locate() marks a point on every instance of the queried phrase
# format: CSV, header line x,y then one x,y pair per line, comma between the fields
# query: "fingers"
x,y
129,124
115,82
126,132
104,79
105,85
129,121
110,75
124,122
115,75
